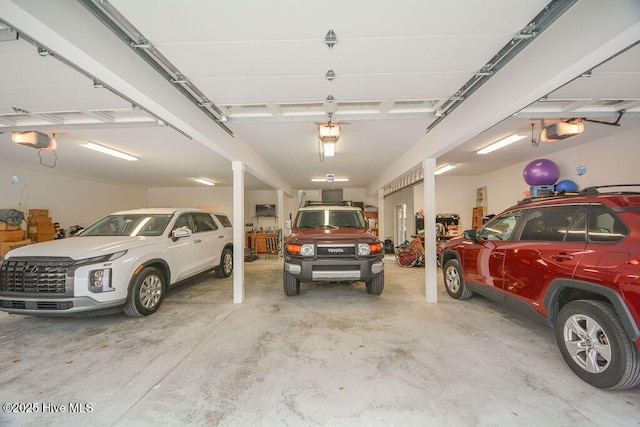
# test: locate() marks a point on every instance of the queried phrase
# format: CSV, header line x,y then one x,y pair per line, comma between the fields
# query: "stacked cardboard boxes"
x,y
40,226
11,237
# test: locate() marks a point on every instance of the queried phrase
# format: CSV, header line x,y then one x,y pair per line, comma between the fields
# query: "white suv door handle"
x,y
197,241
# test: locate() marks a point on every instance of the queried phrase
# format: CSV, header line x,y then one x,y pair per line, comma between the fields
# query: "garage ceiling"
x,y
263,65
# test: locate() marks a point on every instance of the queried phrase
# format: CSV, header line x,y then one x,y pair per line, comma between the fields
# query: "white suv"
x,y
126,261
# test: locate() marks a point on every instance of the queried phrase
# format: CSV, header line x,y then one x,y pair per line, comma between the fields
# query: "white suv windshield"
x,y
330,218
129,225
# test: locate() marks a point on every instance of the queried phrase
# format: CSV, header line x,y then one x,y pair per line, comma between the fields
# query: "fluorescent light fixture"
x,y
325,179
204,181
443,169
109,151
501,144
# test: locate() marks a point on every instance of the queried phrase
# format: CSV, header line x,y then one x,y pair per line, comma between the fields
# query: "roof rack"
x,y
588,191
550,197
593,190
320,203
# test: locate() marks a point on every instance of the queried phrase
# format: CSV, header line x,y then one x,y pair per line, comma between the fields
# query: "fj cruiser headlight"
x,y
363,249
306,250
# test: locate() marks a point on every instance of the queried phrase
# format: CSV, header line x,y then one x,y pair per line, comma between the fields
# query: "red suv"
x,y
573,261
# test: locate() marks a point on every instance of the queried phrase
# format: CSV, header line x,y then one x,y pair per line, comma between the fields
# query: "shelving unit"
x,y
372,219
476,217
260,243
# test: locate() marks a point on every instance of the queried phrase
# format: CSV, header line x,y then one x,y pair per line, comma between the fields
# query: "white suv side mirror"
x,y
180,232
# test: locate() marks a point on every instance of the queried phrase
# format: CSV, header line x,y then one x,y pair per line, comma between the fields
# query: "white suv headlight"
x,y
100,281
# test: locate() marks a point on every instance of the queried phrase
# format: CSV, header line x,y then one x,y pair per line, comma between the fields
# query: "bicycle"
x,y
411,254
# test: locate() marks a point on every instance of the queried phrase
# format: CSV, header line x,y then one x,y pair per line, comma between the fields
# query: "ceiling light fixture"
x,y
501,144
445,168
204,181
328,134
109,151
327,180
561,130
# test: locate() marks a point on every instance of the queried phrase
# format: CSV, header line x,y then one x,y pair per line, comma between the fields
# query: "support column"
x,y
238,231
381,214
431,269
280,210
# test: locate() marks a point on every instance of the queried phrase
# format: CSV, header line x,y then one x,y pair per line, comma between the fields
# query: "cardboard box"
x,y
39,213
12,236
7,246
41,237
36,220
4,227
41,227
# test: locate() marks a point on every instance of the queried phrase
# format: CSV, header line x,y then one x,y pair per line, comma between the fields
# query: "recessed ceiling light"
x,y
109,151
204,181
501,144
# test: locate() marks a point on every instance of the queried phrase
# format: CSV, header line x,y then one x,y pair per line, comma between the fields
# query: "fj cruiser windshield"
x,y
330,218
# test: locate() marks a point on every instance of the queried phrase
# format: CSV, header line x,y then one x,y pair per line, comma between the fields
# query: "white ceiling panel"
x,y
205,20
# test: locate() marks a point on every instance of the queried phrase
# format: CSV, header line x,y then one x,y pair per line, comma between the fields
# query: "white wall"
x,y
70,200
262,197
404,196
187,197
456,194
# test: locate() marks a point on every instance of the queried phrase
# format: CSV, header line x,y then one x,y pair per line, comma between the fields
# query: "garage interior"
x,y
235,93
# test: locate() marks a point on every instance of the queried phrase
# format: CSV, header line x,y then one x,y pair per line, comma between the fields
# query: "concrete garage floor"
x,y
332,356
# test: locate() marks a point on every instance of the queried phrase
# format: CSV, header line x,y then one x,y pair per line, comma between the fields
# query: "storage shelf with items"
x,y
260,242
477,217
449,225
371,216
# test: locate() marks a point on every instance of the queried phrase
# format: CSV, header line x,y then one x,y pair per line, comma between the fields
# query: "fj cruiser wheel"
x,y
375,286
145,293
226,264
291,284
595,346
454,280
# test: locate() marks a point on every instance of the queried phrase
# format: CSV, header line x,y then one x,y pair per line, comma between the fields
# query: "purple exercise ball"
x,y
541,172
